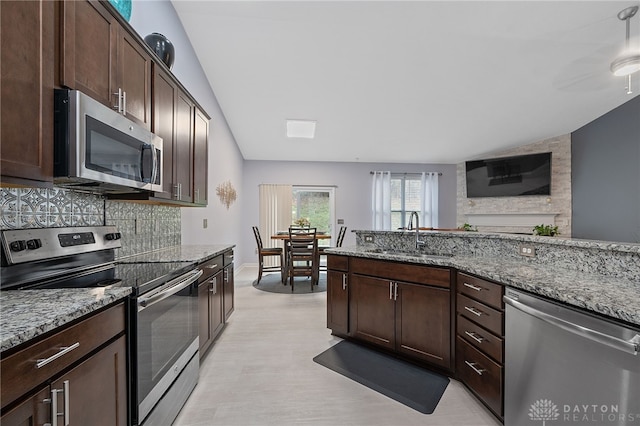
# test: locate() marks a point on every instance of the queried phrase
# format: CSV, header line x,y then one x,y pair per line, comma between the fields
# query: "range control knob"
x,y
17,245
34,244
113,236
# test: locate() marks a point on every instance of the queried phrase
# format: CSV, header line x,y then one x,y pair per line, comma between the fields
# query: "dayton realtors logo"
x,y
544,410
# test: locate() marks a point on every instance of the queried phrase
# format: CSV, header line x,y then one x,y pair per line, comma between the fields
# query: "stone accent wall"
x,y
144,227
559,202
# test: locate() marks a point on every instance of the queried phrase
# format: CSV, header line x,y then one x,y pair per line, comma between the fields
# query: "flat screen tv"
x,y
509,176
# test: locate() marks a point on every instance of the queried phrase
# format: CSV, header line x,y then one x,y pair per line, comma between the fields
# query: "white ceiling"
x,y
416,81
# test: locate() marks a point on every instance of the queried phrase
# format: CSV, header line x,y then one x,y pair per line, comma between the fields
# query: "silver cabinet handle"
x,y
176,193
124,103
395,292
473,287
472,365
54,404
214,266
118,107
67,397
214,286
473,311
344,281
390,290
474,336
63,351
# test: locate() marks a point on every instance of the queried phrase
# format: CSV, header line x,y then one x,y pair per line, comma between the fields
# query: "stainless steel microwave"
x,y
97,149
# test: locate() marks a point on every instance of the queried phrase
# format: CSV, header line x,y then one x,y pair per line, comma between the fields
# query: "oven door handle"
x,y
171,288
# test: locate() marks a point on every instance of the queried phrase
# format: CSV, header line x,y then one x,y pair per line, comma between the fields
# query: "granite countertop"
x,y
613,297
29,313
26,314
184,253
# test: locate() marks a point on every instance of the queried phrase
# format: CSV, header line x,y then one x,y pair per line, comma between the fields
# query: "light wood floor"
x,y
261,372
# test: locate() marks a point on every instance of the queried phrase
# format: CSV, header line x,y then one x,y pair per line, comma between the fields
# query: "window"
x,y
395,196
317,205
405,198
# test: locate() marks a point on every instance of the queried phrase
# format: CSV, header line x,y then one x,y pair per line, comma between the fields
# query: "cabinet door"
x,y
204,330
372,310
216,304
200,152
34,410
97,389
134,77
183,148
164,125
27,70
89,50
229,290
337,302
423,323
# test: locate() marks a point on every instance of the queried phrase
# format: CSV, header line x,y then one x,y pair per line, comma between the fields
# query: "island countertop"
x,y
617,298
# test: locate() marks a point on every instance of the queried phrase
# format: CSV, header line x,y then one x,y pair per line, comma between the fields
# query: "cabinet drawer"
x,y
395,271
480,338
482,290
337,263
19,372
210,267
480,313
481,374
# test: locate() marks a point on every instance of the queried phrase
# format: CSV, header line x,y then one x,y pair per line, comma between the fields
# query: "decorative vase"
x,y
162,47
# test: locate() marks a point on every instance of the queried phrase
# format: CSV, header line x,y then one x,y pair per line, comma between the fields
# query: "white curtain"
x,y
429,200
275,215
381,201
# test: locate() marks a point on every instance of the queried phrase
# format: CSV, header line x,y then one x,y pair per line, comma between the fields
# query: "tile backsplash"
x,y
144,227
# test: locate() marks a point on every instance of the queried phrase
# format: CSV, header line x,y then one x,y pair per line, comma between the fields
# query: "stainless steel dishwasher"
x,y
568,367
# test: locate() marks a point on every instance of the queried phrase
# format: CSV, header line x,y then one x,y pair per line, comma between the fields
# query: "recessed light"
x,y
301,129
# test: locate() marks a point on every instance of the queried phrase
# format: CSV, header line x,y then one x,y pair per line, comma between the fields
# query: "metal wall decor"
x,y
227,193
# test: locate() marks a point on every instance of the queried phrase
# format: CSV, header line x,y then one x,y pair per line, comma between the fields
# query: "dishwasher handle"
x,y
631,346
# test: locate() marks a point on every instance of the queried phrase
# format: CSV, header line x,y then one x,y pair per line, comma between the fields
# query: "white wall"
x,y
225,159
353,192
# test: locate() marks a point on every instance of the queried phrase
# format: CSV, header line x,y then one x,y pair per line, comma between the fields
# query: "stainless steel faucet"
x,y
417,228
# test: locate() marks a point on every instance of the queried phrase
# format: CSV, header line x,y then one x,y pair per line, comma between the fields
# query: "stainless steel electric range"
x,y
162,328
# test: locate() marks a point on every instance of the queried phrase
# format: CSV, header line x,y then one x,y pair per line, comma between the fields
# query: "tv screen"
x,y
509,176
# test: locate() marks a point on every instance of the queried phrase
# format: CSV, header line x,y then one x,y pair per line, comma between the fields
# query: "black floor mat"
x,y
406,383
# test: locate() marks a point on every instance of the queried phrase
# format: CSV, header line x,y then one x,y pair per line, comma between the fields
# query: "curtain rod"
x,y
409,174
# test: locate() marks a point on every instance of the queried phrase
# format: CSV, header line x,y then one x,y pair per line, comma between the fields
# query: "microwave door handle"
x,y
154,160
145,147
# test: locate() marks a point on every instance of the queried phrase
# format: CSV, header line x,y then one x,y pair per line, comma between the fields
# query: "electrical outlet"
x,y
527,250
205,223
368,238
137,226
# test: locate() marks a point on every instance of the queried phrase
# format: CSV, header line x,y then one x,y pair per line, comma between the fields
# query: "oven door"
x,y
167,337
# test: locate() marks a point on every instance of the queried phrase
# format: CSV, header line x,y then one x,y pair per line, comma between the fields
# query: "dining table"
x,y
284,236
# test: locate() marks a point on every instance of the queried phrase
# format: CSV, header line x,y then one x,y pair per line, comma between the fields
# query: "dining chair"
x,y
268,251
339,240
302,255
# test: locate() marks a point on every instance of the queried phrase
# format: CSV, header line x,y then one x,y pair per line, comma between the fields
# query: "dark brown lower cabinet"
x,y
338,301
483,375
210,310
229,290
87,385
96,389
412,319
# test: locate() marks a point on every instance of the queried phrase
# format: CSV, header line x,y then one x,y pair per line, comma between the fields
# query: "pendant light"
x,y
629,62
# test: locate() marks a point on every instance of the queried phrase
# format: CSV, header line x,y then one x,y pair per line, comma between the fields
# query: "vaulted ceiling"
x,y
415,81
